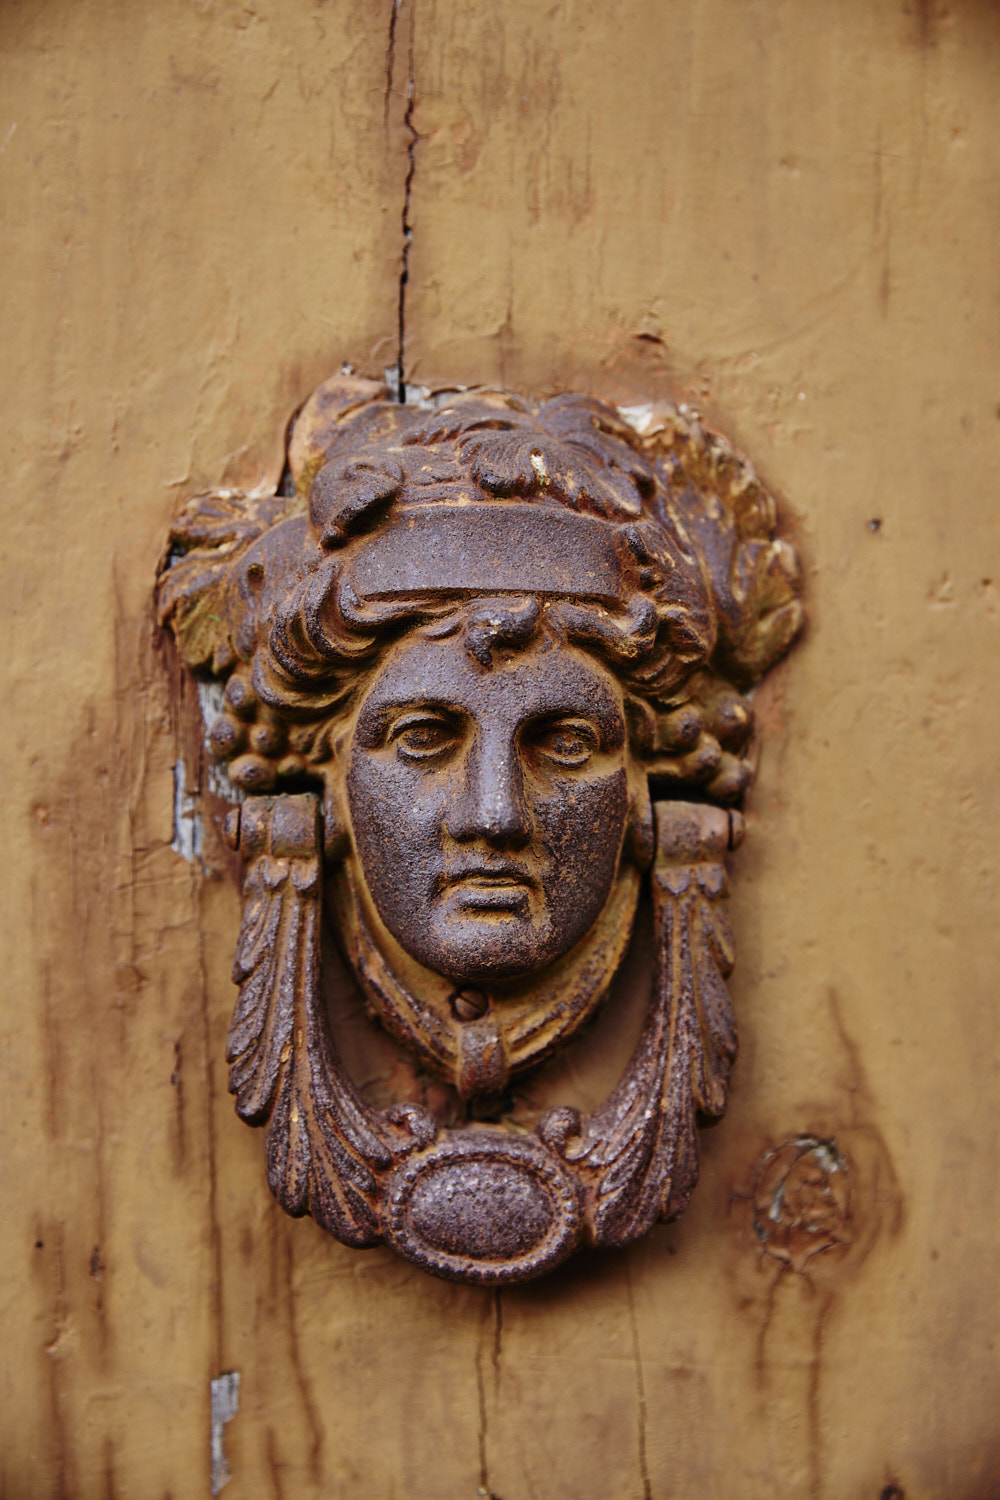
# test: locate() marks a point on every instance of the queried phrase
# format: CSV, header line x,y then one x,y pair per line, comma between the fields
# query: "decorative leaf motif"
x,y
342,405
214,530
325,1146
638,1153
755,576
260,1031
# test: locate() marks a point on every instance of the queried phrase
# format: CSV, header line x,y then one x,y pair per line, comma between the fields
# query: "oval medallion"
x,y
483,1207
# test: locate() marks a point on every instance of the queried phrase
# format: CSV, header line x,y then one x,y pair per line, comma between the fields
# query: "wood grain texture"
x,y
786,213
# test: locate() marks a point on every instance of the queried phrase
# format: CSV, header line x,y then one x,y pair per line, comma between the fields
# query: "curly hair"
x,y
259,590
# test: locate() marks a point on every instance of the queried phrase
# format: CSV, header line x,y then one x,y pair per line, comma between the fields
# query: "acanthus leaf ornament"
x,y
484,676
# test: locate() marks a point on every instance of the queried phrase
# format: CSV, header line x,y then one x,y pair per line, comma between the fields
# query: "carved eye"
x,y
570,742
422,738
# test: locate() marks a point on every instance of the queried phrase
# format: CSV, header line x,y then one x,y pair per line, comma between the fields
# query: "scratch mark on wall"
x,y
813,1407
497,1333
111,1490
310,1405
225,1404
52,1050
53,1269
640,1391
484,1471
273,1463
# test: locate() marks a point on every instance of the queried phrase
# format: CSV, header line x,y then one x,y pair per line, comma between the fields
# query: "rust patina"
x,y
484,664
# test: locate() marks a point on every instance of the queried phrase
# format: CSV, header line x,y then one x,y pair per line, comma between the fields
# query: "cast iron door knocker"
x,y
484,666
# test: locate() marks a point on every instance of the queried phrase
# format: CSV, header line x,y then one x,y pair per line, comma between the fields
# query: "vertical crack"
x,y
411,162
497,1333
484,1467
390,63
483,1348
640,1391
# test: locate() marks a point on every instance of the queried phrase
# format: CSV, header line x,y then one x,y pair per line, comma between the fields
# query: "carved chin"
x,y
535,1001
485,928
480,940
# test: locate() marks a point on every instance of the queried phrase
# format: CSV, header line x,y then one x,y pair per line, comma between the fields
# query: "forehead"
x,y
544,677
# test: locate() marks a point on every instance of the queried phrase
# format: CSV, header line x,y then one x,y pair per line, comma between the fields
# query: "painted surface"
x,y
786,214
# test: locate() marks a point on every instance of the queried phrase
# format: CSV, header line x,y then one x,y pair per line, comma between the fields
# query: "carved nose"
x,y
491,804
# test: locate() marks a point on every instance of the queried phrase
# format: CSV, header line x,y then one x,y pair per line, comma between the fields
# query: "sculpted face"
x,y
489,802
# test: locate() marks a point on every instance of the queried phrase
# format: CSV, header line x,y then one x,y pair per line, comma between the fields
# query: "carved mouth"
x,y
488,874
491,888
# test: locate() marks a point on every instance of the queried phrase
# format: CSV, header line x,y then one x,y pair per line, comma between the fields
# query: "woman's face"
x,y
488,804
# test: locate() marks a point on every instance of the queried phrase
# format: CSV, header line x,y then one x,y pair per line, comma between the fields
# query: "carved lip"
x,y
486,874
491,887
511,898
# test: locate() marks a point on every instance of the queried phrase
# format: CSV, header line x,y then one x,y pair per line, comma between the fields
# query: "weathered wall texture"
x,y
786,211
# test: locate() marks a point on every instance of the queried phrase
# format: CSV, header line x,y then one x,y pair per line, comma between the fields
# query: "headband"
x,y
496,548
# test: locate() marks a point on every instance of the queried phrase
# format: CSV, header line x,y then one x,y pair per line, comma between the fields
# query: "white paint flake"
x,y
188,836
225,1404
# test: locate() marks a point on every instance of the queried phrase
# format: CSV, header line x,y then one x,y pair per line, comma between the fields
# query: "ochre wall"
x,y
784,211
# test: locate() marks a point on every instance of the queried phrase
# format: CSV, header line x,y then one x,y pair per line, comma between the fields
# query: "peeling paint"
x,y
211,702
225,1390
640,417
189,828
188,839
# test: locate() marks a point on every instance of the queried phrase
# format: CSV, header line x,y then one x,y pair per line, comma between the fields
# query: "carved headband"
x,y
493,549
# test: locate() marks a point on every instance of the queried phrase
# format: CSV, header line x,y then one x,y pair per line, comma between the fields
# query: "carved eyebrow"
x,y
609,724
372,727
590,700
552,719
418,703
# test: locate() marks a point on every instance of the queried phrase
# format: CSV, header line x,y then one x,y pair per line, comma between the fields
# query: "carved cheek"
x,y
583,823
397,813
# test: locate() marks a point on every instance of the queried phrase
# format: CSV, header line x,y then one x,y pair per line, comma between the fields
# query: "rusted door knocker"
x,y
484,666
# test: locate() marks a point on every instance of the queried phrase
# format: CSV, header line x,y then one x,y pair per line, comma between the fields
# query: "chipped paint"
x,y
641,417
225,1390
189,827
188,839
212,705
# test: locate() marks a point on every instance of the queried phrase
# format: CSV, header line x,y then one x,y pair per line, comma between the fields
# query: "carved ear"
x,y
640,834
336,835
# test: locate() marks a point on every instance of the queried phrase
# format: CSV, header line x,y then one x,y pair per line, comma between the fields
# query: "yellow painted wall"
x,y
784,211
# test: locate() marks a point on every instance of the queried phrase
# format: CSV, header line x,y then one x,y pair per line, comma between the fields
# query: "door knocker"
x,y
484,664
